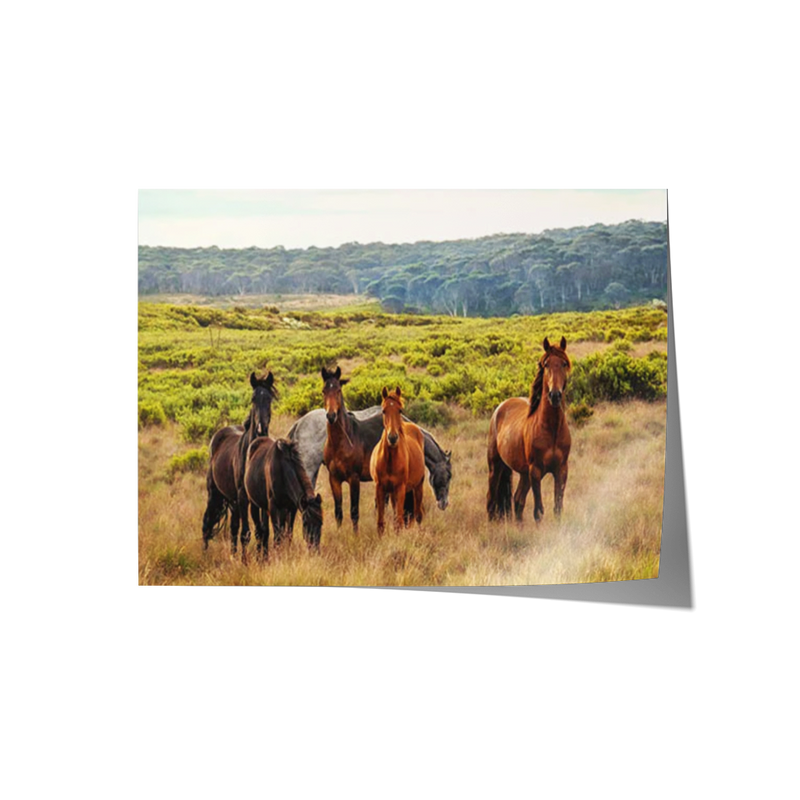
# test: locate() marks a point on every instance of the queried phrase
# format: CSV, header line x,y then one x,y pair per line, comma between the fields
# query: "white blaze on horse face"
x,y
392,422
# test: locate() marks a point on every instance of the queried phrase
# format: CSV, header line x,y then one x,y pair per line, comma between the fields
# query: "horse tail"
x,y
498,498
216,516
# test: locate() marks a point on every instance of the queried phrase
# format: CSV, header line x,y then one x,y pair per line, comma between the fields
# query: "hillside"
x,y
585,268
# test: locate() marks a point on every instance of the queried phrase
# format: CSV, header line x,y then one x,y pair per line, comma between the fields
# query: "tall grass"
x,y
610,528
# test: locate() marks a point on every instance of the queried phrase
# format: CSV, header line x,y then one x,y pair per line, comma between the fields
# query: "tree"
x,y
616,293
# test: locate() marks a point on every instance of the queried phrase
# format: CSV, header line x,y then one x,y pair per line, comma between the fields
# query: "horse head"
x,y
332,398
264,393
555,366
441,474
392,407
311,509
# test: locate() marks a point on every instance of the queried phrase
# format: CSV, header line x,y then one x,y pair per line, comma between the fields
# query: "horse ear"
x,y
384,393
270,379
563,344
325,374
398,391
338,373
318,498
546,345
253,380
448,454
303,503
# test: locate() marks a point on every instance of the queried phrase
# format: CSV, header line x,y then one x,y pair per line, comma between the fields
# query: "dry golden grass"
x,y
610,529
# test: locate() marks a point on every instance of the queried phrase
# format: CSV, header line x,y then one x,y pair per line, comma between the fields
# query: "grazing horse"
x,y
310,433
345,454
397,464
228,456
277,486
531,436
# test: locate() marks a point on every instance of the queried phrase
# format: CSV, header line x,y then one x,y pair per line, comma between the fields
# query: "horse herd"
x,y
273,479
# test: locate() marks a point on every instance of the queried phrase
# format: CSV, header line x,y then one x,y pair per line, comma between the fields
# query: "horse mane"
x,y
292,452
538,381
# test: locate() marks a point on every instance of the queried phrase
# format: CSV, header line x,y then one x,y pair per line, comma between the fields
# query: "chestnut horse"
x,y
346,453
277,486
531,436
397,464
227,459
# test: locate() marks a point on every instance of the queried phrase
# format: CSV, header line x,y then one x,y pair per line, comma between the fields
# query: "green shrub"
x,y
428,413
151,412
190,461
580,413
617,376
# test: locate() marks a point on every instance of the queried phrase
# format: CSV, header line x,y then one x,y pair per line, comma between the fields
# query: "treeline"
x,y
585,268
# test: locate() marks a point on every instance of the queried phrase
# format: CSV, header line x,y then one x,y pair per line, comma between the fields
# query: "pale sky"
x,y
189,218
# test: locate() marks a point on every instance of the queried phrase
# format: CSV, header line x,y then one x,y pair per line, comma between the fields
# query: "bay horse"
x,y
346,453
227,460
310,433
531,436
277,486
397,464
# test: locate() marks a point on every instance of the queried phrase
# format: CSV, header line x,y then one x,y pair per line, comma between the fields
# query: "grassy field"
x,y
610,528
194,364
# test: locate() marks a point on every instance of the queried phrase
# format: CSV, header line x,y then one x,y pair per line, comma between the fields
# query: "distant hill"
x,y
599,266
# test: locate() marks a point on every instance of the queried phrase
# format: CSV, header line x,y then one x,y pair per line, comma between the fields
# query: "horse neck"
x,y
341,429
548,416
293,488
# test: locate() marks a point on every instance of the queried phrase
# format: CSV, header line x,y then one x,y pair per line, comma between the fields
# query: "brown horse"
x,y
228,455
397,464
346,454
277,486
531,436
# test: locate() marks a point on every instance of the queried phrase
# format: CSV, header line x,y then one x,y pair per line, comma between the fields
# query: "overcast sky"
x,y
293,219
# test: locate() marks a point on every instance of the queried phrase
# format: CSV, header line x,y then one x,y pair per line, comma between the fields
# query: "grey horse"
x,y
311,431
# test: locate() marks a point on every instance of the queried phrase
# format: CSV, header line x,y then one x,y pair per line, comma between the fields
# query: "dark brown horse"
x,y
531,436
346,453
277,486
227,459
397,464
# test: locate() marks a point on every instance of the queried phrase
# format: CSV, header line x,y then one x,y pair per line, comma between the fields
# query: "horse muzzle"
x,y
555,399
393,439
331,417
442,503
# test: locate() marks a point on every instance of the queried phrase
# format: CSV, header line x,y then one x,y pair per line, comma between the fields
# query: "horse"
x,y
531,436
397,463
227,460
277,486
310,433
345,453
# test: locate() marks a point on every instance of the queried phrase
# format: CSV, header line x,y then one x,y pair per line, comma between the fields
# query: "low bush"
x,y
190,461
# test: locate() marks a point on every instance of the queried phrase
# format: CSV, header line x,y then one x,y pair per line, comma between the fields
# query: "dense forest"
x,y
585,268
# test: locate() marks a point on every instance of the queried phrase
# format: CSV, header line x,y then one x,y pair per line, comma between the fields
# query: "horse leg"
x,y
536,484
234,528
409,507
255,516
399,506
244,504
380,504
419,512
214,511
277,526
521,495
290,525
355,499
336,490
264,525
560,484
